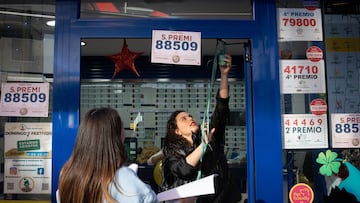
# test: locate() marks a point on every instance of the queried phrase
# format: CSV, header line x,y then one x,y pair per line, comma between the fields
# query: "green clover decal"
x,y
330,163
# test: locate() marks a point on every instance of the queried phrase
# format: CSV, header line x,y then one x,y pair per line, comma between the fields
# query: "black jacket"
x,y
177,172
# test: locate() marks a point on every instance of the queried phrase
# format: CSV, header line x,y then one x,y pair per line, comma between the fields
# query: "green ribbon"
x,y
205,122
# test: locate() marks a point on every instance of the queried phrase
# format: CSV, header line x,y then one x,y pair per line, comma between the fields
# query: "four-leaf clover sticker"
x,y
330,163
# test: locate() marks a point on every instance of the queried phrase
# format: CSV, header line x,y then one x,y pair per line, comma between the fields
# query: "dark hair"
x,y
98,153
171,125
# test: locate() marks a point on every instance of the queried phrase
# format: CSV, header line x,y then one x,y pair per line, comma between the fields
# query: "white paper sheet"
x,y
202,186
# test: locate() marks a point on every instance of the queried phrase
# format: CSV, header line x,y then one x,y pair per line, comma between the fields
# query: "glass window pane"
x,y
193,9
158,91
26,57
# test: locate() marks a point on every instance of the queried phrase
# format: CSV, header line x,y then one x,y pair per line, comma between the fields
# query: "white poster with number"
x,y
27,155
176,47
299,24
302,76
24,99
345,130
304,131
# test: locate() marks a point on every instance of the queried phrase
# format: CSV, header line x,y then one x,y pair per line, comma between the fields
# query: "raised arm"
x,y
224,84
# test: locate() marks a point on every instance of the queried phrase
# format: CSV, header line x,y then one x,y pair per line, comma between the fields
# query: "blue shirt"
x,y
128,187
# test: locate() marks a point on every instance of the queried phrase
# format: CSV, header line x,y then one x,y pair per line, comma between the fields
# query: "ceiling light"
x,y
51,23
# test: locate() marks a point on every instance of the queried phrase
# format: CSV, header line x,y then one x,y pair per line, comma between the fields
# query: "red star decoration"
x,y
125,60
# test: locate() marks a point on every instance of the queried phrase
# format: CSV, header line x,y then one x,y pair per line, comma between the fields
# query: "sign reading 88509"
x,y
176,43
24,94
24,99
345,130
347,124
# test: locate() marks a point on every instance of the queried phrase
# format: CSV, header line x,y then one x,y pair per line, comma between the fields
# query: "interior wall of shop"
x,y
263,114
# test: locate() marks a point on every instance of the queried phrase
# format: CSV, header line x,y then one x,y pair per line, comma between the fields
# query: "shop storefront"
x,y
281,118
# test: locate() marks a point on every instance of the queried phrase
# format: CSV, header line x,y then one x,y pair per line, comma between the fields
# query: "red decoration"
x,y
125,60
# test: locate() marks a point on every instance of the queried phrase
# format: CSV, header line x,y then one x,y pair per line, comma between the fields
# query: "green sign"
x,y
25,145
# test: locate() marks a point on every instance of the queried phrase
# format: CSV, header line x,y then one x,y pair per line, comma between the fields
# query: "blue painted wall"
x,y
265,182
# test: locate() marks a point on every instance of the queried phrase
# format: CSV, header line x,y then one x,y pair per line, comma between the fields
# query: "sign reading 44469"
x,y
24,99
176,47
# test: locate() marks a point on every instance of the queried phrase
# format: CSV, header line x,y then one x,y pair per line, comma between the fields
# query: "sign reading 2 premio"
x,y
24,99
176,47
304,131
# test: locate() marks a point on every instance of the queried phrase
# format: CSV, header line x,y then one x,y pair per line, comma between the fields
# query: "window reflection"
x,y
194,9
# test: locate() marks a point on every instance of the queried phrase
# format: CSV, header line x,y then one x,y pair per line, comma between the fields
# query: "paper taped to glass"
x,y
199,187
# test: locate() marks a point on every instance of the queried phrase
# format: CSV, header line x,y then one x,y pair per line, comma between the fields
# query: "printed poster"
x,y
345,130
176,47
24,99
304,131
302,76
27,156
299,24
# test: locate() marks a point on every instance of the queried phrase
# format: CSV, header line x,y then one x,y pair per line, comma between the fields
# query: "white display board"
x,y
24,99
302,76
304,131
176,47
28,155
345,130
299,24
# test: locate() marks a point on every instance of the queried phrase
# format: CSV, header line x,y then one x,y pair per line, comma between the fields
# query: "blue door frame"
x,y
264,142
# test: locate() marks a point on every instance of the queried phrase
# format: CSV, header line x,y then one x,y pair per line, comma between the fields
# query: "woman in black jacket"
x,y
184,156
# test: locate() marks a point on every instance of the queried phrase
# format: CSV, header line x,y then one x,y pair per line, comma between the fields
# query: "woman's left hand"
x,y
228,62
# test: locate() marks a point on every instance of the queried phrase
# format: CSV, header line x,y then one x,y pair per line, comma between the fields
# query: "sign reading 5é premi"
x,y
24,99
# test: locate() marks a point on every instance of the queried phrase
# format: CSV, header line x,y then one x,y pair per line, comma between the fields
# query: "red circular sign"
x,y
301,193
318,107
314,54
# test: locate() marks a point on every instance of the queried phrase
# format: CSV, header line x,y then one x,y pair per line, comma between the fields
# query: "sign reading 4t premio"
x,y
176,47
305,131
302,76
345,129
24,99
299,24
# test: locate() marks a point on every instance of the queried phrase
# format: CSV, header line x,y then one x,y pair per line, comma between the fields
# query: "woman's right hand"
x,y
208,137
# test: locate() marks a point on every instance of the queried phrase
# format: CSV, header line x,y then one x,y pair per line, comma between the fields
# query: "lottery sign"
x,y
302,76
24,99
176,47
304,131
299,24
345,130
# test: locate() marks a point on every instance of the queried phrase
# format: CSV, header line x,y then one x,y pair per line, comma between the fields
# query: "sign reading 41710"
x,y
176,47
24,99
302,76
